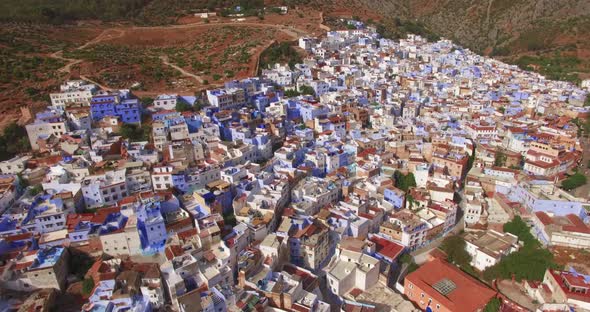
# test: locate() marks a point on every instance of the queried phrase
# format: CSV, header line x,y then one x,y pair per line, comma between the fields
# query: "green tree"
x,y
23,183
493,305
471,160
182,106
147,101
229,219
280,53
134,132
410,200
404,182
499,159
13,141
87,286
530,262
291,93
576,180
454,247
410,181
36,189
406,258
412,267
306,90
398,177
520,229
80,263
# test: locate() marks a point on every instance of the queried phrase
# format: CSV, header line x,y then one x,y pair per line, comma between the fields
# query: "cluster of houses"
x,y
271,203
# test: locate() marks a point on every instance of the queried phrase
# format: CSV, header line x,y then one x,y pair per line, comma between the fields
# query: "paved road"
x,y
584,190
420,255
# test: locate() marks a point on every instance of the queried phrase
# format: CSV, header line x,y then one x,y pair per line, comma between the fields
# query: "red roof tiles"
x,y
387,248
467,296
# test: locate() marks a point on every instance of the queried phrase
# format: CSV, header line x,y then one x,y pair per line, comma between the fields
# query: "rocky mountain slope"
x,y
541,31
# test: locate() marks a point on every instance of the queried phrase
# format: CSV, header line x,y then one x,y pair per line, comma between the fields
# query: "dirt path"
x,y
96,83
113,33
164,59
289,30
70,62
107,34
103,36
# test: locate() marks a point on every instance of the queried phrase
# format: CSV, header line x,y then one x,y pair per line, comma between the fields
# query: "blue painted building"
x,y
152,227
261,102
293,110
111,105
394,196
310,110
102,106
129,110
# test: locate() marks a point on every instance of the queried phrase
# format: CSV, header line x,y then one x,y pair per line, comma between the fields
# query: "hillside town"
x,y
336,184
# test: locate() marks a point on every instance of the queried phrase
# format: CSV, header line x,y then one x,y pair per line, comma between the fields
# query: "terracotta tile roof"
x,y
355,292
23,265
300,308
577,225
575,280
18,237
101,215
173,251
75,218
544,218
387,248
187,234
127,200
180,224
467,295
